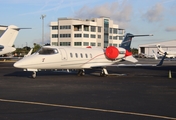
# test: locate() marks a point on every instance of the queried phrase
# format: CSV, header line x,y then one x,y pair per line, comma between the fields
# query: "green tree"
x,y
134,51
36,47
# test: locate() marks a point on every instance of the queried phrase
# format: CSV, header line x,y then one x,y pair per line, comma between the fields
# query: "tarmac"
x,y
135,93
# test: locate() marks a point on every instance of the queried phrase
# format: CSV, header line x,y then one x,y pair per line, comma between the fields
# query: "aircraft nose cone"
x,y
17,65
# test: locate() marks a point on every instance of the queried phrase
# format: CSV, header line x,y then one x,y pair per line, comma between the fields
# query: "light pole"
x,y
42,17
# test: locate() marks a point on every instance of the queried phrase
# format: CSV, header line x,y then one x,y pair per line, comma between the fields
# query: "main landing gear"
x,y
81,72
103,72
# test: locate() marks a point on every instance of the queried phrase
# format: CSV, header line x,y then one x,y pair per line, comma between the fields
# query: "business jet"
x,y
169,54
8,35
59,57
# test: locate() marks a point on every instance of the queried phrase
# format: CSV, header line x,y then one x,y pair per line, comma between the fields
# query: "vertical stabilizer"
x,y
161,51
126,43
8,37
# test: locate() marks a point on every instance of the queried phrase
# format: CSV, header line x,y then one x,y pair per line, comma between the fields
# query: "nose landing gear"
x,y
34,74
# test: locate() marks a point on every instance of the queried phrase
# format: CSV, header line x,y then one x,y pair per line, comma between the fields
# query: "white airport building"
x,y
148,49
98,32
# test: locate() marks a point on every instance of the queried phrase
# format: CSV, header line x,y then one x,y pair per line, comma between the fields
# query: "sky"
x,y
157,17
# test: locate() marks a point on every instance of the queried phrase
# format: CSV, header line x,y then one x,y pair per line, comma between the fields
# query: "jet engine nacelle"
x,y
7,49
1,47
112,52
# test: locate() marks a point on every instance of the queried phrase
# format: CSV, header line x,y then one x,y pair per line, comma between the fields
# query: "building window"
x,y
115,30
65,35
92,44
86,28
120,31
65,27
120,37
99,29
110,37
93,29
86,35
65,43
54,43
86,43
110,44
78,28
110,30
99,36
99,44
77,35
114,37
54,35
93,36
77,43
54,27
115,45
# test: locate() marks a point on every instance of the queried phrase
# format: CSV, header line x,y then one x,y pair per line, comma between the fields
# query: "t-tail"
x,y
126,43
8,35
160,50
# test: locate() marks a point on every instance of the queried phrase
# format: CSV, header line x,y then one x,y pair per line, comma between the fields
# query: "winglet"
x,y
161,62
29,53
156,58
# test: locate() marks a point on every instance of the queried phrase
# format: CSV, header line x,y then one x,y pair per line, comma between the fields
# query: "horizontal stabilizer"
x,y
20,28
3,26
130,59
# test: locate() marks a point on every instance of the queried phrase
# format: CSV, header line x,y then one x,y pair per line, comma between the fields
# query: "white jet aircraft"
x,y
169,54
59,57
8,35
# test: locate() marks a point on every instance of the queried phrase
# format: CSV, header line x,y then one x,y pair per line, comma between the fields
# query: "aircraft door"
x,y
63,54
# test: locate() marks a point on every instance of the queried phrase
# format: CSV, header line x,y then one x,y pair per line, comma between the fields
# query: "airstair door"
x,y
63,54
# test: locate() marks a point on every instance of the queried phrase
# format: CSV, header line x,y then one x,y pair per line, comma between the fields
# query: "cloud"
x,y
119,13
171,29
46,6
154,14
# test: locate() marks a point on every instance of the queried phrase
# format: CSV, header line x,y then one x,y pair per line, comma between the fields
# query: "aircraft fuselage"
x,y
52,57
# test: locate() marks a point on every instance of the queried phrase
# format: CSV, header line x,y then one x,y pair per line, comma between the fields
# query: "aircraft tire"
x,y
34,75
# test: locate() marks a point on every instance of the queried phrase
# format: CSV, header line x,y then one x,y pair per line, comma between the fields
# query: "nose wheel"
x,y
34,74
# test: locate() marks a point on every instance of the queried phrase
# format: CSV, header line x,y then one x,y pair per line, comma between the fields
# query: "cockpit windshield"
x,y
47,51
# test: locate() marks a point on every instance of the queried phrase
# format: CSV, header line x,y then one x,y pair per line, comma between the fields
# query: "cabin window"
x,y
48,51
86,55
90,55
81,55
71,55
76,55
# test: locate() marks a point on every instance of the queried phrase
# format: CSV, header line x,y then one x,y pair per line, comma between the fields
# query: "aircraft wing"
x,y
126,65
134,65
130,59
162,60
